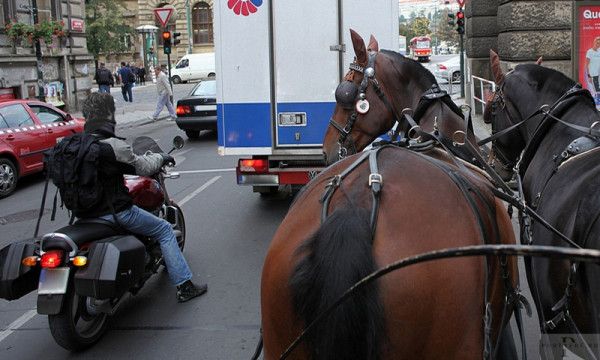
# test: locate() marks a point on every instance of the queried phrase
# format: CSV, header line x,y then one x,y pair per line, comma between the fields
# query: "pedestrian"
x,y
142,75
116,75
592,68
164,96
124,78
104,78
115,158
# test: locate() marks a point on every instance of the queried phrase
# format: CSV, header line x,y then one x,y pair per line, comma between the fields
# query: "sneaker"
x,y
151,118
171,118
188,291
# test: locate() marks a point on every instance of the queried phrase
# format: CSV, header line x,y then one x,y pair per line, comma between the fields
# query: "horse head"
x,y
378,86
519,96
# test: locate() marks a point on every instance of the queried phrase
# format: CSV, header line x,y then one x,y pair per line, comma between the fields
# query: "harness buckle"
x,y
375,179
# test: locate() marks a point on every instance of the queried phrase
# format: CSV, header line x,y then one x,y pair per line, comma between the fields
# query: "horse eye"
x,y
345,94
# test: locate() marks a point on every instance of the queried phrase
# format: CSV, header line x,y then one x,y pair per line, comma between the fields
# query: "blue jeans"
x,y
162,101
141,222
126,90
104,88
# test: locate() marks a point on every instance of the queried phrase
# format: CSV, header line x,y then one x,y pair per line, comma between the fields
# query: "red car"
x,y
27,129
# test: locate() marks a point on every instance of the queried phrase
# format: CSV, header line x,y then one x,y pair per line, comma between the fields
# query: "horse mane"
x,y
424,76
548,80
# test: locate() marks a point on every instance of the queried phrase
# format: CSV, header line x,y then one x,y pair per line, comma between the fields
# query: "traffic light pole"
x,y
462,67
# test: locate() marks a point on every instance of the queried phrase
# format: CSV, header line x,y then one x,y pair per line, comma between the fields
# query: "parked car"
x,y
27,129
198,110
449,69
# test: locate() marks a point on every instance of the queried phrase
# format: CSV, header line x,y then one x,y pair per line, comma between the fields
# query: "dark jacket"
x,y
117,159
104,76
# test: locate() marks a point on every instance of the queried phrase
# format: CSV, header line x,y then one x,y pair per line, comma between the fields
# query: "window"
x,y
46,115
15,116
202,23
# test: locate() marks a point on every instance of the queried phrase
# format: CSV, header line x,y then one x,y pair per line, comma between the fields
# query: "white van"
x,y
193,67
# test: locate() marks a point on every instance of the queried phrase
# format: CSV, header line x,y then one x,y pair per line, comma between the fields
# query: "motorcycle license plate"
x,y
53,281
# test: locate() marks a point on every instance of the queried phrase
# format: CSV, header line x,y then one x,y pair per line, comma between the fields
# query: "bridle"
x,y
550,113
349,96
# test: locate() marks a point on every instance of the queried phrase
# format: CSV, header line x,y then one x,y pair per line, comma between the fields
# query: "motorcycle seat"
x,y
81,232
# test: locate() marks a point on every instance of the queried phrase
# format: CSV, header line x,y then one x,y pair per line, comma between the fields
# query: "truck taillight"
x,y
51,258
258,165
183,109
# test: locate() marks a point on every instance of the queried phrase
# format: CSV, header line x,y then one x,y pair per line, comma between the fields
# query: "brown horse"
x,y
372,209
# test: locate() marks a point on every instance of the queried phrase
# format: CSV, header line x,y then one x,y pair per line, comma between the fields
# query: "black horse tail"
x,y
338,255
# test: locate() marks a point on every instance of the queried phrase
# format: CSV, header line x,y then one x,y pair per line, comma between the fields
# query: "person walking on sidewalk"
x,y
142,75
104,78
164,96
125,76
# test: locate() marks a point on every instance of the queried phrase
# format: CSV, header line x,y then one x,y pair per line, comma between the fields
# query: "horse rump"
x,y
337,256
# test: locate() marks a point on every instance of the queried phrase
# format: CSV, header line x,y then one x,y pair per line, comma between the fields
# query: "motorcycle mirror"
x,y
178,142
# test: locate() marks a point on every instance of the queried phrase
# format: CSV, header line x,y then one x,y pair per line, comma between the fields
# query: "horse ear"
x,y
495,62
359,48
539,61
373,44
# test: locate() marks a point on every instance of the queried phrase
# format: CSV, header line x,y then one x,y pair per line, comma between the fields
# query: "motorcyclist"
x,y
117,159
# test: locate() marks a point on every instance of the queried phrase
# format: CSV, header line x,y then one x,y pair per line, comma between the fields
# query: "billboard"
x,y
586,46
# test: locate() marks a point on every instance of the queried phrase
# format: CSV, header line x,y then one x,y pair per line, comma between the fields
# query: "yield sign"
x,y
461,3
163,15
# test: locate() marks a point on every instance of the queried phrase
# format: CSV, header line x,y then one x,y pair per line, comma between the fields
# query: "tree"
x,y
420,26
106,28
446,32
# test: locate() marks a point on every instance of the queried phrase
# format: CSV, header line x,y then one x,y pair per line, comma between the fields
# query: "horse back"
x,y
418,311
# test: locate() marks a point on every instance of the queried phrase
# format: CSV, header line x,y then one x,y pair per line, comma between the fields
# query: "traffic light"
x,y
451,19
175,38
460,22
167,42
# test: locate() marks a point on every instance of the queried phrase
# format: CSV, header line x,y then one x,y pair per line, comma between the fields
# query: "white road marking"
x,y
203,171
199,190
15,325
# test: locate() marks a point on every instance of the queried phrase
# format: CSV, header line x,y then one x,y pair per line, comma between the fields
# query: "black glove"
x,y
167,159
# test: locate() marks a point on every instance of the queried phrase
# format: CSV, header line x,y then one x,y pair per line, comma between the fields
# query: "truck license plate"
x,y
53,281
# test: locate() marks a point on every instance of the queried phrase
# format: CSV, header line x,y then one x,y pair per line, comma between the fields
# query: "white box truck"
x,y
278,64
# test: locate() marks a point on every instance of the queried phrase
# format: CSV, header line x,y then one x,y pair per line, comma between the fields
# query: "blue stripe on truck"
x,y
249,125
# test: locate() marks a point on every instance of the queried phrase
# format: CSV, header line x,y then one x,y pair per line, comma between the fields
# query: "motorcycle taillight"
x,y
51,258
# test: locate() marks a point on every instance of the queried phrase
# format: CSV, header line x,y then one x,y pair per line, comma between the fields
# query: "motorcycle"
x,y
83,272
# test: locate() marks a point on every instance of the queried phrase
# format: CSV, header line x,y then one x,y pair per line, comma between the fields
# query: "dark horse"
x,y
372,209
553,146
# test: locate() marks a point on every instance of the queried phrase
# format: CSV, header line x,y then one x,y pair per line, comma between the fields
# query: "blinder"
x,y
346,94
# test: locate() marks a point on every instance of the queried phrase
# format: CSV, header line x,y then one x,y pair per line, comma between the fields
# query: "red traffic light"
x,y
460,15
166,35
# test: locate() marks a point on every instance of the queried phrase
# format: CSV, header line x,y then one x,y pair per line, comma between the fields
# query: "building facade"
x,y
191,18
64,64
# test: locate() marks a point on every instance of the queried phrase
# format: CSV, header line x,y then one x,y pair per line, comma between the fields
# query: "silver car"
x,y
449,69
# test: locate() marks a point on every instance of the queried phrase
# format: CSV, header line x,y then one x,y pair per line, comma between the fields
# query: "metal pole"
x,y
189,26
38,53
462,68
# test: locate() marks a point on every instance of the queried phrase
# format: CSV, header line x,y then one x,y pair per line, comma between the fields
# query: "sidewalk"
x,y
130,115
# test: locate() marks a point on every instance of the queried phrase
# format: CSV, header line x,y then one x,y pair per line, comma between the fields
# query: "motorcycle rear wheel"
x,y
74,328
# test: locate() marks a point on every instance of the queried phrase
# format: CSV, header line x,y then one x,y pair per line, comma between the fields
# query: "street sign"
x,y
163,15
461,3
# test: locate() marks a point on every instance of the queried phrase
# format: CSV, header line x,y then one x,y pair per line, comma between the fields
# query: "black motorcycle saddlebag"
x,y
114,265
17,279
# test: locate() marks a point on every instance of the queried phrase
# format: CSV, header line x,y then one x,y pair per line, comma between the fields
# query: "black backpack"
x,y
131,76
72,166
